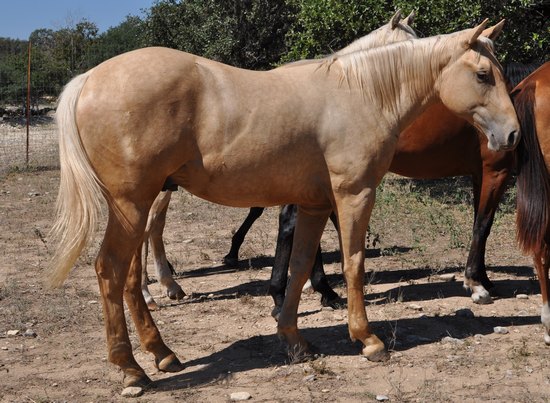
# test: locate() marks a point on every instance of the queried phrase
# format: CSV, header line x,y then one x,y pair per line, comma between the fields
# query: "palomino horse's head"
x,y
473,86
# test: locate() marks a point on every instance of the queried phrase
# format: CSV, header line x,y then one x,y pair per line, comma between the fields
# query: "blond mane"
x,y
380,72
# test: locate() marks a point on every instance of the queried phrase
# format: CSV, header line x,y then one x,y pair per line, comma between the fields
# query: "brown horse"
x,y
531,98
396,30
319,135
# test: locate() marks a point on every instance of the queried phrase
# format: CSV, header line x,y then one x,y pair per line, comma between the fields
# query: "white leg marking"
x,y
545,319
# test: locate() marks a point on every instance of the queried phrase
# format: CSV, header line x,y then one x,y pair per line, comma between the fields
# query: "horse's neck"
x,y
400,80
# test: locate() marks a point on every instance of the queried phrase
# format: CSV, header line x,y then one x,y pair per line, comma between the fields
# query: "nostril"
x,y
512,137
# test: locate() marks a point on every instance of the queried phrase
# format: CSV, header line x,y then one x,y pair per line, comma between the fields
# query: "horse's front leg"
x,y
353,212
307,235
488,191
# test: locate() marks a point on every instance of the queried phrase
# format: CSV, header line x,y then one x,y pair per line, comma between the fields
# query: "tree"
x,y
247,33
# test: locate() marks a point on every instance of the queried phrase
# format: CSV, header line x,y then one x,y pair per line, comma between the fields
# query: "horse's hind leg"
x,y
232,258
487,193
165,359
120,251
542,263
155,229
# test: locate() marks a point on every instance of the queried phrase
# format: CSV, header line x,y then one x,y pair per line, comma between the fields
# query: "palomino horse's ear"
x,y
477,32
409,20
395,19
493,32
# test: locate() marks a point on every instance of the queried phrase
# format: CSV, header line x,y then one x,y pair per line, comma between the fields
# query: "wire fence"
x,y
27,129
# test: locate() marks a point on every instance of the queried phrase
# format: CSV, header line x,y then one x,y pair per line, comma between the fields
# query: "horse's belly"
x,y
252,187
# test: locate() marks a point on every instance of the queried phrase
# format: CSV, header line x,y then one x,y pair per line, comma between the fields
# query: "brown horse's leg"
x,y
542,263
487,194
150,338
307,235
353,218
155,229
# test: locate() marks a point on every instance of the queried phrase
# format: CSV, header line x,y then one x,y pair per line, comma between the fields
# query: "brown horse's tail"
x,y
79,199
533,181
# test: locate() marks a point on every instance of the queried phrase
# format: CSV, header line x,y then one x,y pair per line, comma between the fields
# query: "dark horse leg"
x,y
488,191
232,258
279,274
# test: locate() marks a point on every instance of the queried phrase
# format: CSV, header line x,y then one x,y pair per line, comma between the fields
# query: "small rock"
x,y
382,398
12,332
132,391
210,296
451,340
325,390
447,277
92,302
29,333
238,396
464,313
522,296
309,378
327,308
529,370
415,307
4,348
500,330
34,194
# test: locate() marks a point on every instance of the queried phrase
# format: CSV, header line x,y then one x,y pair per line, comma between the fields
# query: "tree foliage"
x,y
259,34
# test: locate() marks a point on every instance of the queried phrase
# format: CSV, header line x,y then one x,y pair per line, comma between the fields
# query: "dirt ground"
x,y
444,347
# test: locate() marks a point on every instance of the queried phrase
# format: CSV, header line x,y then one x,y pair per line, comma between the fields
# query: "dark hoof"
x,y
298,354
334,303
276,312
170,363
230,261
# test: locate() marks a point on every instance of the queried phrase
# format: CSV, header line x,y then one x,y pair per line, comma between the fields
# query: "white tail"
x,y
80,191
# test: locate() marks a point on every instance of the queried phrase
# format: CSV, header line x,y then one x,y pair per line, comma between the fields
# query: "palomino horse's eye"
x,y
482,76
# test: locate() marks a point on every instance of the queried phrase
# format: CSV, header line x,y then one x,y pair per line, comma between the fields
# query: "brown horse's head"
x,y
473,86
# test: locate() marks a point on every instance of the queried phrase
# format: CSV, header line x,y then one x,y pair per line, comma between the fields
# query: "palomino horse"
x,y
432,147
532,101
316,134
395,30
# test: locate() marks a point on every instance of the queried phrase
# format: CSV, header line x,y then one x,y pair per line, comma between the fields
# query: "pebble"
x,y
522,296
415,307
309,378
447,277
132,391
29,333
500,330
238,396
451,340
464,313
382,398
12,332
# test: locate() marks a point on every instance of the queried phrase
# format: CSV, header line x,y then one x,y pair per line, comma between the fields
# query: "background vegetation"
x,y
257,34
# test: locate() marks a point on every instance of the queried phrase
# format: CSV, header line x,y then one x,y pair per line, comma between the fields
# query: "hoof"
x,y
171,363
275,313
480,295
152,305
300,353
334,303
230,261
137,379
174,291
375,350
